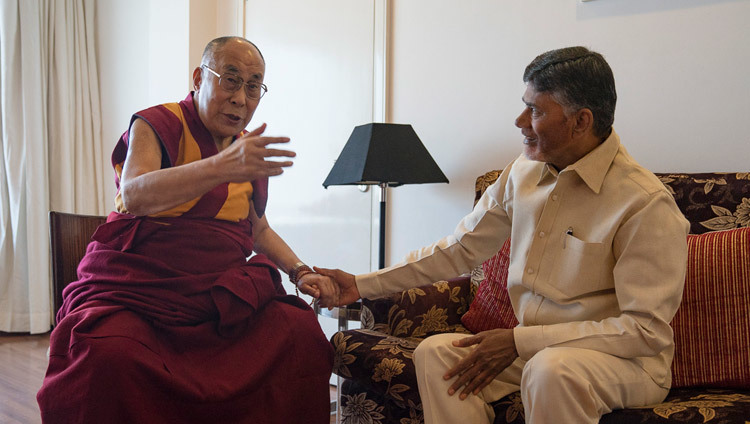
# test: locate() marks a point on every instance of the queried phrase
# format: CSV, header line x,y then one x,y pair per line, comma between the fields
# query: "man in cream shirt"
x,y
597,266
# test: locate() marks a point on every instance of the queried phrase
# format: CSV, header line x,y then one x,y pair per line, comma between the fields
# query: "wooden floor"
x,y
23,362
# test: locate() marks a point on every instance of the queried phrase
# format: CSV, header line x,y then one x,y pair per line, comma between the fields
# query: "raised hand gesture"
x,y
246,159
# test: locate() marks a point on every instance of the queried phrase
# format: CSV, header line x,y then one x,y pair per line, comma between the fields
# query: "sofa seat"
x,y
379,383
375,362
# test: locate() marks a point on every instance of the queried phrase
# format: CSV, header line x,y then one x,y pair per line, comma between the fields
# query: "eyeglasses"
x,y
232,82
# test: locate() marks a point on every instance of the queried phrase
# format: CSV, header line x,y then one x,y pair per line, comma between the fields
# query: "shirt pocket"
x,y
578,268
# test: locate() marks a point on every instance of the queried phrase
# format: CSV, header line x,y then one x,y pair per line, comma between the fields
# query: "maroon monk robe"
x,y
169,323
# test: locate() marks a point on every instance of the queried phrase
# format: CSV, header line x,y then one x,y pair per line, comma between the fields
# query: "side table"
x,y
343,314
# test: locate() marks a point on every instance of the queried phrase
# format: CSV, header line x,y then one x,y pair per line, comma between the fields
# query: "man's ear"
x,y
584,121
197,78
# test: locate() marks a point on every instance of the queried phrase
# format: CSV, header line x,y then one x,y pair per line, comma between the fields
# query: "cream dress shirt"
x,y
597,259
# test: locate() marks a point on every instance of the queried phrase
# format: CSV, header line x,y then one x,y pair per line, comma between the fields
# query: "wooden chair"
x,y
69,236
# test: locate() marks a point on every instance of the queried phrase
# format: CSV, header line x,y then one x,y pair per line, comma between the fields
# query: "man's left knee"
x,y
552,369
435,349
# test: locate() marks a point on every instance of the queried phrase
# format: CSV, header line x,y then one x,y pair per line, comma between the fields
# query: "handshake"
x,y
330,287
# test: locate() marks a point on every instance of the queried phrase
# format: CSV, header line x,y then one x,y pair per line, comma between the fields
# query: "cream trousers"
x,y
558,385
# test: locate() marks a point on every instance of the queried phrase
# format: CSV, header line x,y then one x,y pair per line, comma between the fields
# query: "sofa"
x,y
711,369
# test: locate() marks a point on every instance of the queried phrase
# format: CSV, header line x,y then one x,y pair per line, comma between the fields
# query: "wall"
x,y
210,19
147,51
320,88
455,71
456,67
123,31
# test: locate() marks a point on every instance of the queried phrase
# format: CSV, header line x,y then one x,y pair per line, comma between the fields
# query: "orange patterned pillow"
x,y
712,326
491,306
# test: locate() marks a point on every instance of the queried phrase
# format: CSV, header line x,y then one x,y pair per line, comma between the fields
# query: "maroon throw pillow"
x,y
491,306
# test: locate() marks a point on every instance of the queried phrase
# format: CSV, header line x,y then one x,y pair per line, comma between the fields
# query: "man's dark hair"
x,y
579,78
214,45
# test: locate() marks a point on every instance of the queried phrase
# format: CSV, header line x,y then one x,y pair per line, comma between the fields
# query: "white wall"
x,y
123,56
455,71
320,88
147,51
143,61
680,68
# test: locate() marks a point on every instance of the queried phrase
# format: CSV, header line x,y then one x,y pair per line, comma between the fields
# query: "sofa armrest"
x,y
422,311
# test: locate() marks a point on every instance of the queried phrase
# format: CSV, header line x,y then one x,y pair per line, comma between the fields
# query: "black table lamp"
x,y
384,155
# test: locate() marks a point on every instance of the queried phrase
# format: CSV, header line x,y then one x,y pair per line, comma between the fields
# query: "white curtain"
x,y
50,137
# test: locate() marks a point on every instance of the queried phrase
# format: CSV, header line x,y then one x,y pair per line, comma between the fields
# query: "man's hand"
x,y
495,350
320,287
348,292
245,159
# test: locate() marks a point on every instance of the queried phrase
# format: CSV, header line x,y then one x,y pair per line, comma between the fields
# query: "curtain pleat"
x,y
50,127
75,114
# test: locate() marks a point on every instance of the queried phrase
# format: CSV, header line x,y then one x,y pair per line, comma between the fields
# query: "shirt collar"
x,y
591,168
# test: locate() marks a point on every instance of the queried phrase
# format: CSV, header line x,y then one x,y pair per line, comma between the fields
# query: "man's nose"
x,y
238,97
522,120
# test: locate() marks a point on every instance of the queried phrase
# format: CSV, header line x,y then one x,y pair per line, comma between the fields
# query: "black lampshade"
x,y
384,153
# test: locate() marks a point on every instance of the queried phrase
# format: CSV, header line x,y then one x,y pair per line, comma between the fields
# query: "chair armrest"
x,y
421,311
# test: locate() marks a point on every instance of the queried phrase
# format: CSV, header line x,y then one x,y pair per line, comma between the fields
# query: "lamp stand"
x,y
381,253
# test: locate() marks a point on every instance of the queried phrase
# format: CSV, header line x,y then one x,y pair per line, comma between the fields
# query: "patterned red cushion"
x,y
712,326
491,306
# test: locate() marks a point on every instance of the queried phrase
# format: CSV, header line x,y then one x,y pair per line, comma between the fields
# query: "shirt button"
x,y
530,270
542,234
554,198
